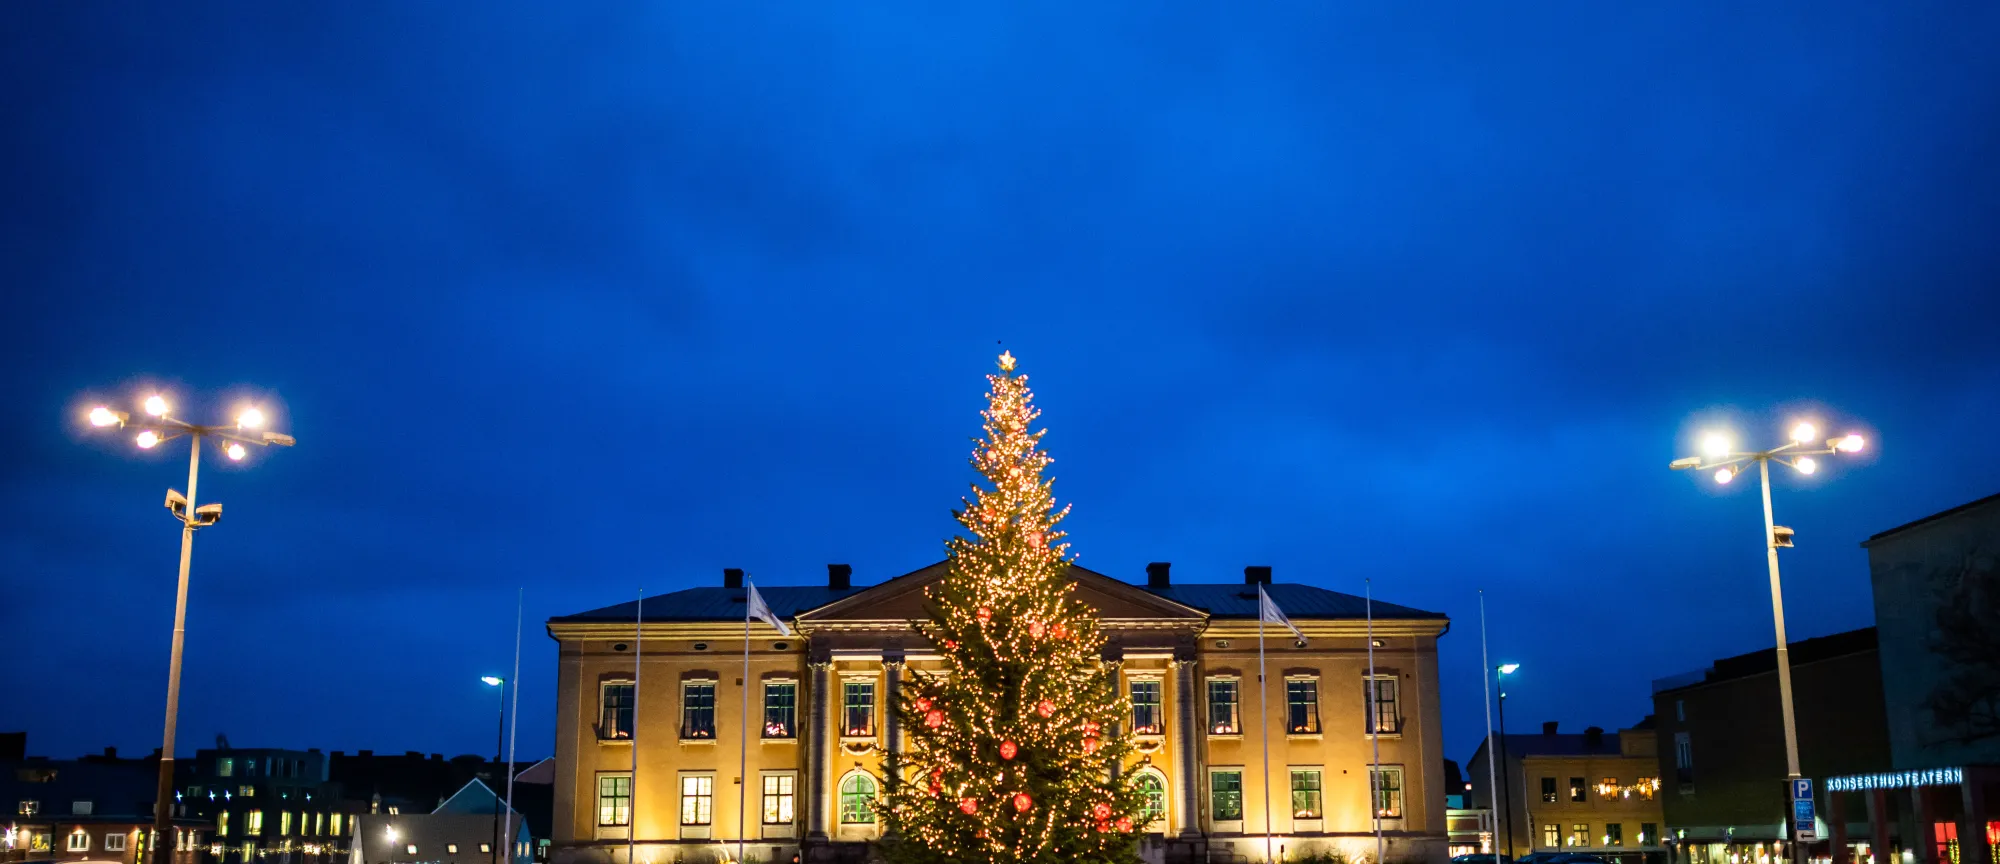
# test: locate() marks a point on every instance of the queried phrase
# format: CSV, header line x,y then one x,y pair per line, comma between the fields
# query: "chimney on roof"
x,y
732,577
1593,737
1156,574
1549,728
1256,575
839,577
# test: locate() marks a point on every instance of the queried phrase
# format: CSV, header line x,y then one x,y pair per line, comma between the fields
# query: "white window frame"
x,y
1402,790
1315,824
778,830
602,687
1207,706
874,707
1319,704
1165,825
78,841
114,841
681,795
1150,676
1375,680
1227,826
609,832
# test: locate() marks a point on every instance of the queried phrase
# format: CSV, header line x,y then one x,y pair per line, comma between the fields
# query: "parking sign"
x,y
1804,826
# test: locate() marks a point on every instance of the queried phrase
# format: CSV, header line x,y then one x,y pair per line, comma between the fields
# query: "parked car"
x,y
1482,858
1543,857
1579,858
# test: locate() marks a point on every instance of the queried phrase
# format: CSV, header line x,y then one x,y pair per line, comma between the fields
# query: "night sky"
x,y
580,301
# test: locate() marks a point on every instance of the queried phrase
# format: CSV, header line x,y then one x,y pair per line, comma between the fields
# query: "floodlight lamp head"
x,y
1685,463
177,503
207,514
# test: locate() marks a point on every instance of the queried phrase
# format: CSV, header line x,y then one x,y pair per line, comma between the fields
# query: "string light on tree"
x,y
1013,719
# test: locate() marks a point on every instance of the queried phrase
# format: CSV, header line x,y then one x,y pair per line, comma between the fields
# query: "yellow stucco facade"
x,y
818,726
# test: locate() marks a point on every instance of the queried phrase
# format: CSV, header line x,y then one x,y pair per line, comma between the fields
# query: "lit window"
x,y
1614,834
781,700
1388,783
247,791
79,841
1153,807
697,798
285,822
255,824
336,820
411,848
1146,714
114,842
697,713
1302,706
1225,795
615,710
857,799
1549,791
780,798
614,799
222,824
485,848
1579,834
1551,835
1577,794
1386,718
29,808
858,709
225,767
1222,718
1305,794
80,808
451,848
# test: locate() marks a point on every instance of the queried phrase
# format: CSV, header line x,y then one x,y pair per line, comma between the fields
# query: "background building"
x,y
266,804
1722,753
96,809
1186,656
1589,792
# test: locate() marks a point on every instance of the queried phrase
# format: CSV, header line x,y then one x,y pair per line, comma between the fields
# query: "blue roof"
x,y
717,604
1297,601
1219,601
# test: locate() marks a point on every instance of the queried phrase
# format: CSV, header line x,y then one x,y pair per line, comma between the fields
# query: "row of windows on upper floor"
x,y
616,703
80,840
1580,837
1608,789
308,824
198,793
858,791
270,766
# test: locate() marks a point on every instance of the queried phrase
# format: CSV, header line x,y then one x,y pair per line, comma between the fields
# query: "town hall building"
x,y
820,725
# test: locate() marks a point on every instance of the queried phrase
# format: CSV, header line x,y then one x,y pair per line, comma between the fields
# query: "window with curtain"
x,y
858,709
1147,718
1305,793
614,799
1302,706
780,798
1222,719
697,714
697,798
1388,792
614,715
1385,716
781,700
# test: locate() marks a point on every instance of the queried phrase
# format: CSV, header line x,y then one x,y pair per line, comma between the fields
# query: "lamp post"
x,y
499,749
1506,795
158,427
1720,454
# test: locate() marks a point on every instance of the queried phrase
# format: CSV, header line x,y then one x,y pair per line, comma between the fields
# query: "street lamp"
x,y
158,427
1719,453
1506,793
499,750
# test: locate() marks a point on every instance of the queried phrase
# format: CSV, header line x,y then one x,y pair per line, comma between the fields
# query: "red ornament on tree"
x,y
923,703
1125,824
1035,539
1061,632
1008,750
934,718
1101,810
1089,745
1089,727
1036,629
1104,826
968,806
1022,802
1045,708
985,614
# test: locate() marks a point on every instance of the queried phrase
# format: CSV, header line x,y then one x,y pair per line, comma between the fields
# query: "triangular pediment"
x,y
902,599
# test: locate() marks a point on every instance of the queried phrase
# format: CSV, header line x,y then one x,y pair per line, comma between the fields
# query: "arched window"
x,y
857,799
1153,813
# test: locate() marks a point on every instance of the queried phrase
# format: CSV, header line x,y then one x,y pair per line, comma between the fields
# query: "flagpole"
x,y
1492,774
743,748
514,722
1375,770
632,800
1264,714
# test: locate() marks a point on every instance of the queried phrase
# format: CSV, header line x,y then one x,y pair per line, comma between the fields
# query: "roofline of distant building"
x,y
1795,663
1942,514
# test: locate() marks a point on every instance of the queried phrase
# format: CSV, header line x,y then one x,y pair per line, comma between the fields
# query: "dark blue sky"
x,y
578,302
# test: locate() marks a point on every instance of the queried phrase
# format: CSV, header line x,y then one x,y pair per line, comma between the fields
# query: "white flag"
x,y
1269,612
761,612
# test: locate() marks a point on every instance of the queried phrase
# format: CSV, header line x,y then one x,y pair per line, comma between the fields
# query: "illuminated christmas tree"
x,y
1014,747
